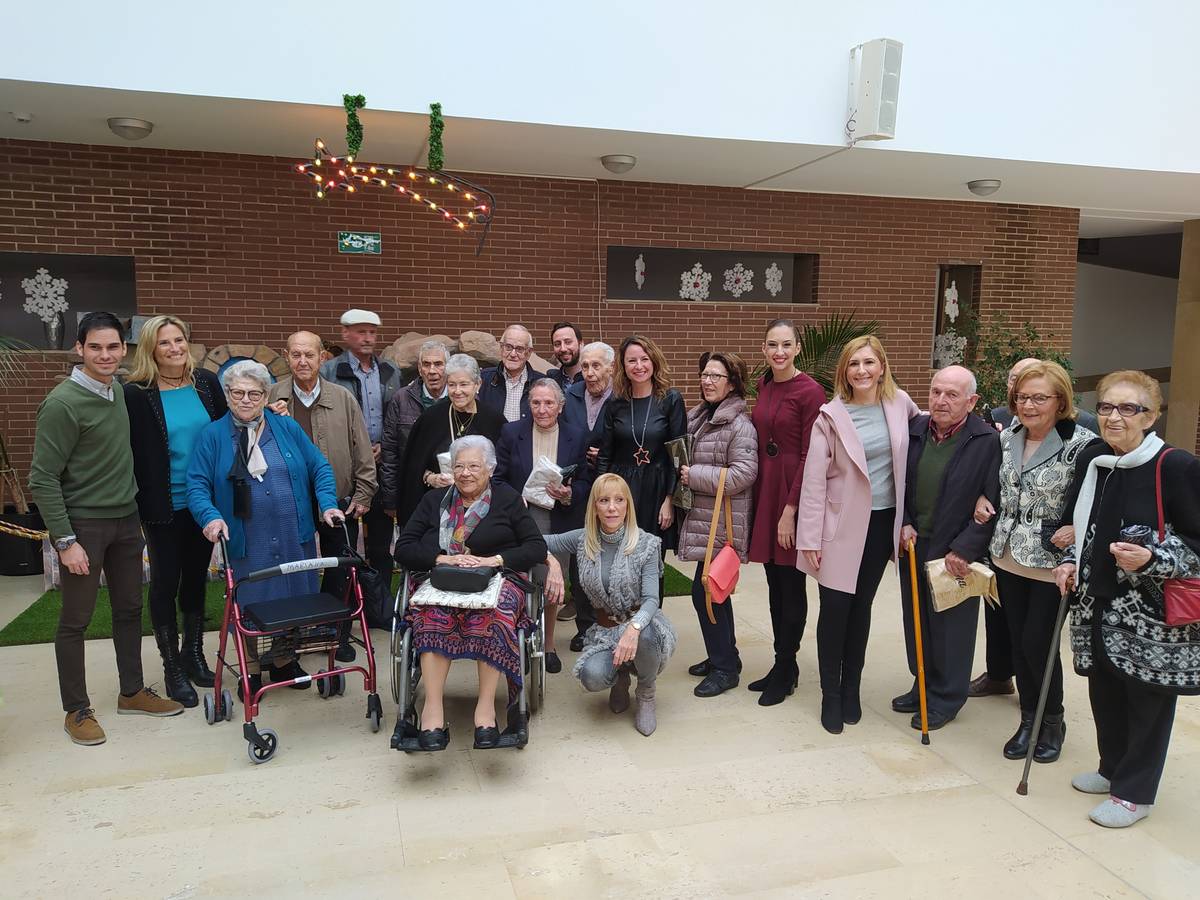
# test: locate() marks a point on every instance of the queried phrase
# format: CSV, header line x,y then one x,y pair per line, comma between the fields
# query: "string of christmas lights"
x,y
456,200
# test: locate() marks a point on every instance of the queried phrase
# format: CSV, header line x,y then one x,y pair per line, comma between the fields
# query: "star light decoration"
x,y
457,201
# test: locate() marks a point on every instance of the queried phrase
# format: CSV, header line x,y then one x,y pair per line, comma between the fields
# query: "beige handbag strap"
x,y
712,536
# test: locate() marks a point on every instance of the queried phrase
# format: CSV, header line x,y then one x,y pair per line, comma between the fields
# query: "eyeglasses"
x,y
255,396
711,376
1035,399
1124,410
513,348
473,468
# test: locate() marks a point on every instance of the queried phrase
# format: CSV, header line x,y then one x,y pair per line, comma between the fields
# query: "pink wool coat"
x,y
835,495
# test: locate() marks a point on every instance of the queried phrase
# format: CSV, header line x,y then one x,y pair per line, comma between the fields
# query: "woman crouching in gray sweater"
x,y
619,569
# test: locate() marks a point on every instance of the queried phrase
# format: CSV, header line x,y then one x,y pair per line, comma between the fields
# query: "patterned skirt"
x,y
489,635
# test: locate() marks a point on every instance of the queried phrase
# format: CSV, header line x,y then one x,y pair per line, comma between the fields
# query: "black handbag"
x,y
462,579
378,602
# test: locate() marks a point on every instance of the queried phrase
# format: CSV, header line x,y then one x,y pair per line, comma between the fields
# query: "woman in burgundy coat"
x,y
787,406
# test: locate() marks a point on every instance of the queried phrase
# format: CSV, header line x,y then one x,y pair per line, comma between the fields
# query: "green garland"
x,y
354,129
437,157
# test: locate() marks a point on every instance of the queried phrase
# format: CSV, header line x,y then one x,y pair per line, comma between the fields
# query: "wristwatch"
x,y
635,625
64,543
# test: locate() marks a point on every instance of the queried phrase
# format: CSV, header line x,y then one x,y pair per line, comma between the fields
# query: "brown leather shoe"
x,y
147,703
83,728
986,686
566,612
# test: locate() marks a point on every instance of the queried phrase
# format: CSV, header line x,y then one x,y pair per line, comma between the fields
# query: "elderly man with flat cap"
x,y
372,381
953,458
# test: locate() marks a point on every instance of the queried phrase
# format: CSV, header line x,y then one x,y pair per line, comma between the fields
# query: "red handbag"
x,y
720,575
1181,596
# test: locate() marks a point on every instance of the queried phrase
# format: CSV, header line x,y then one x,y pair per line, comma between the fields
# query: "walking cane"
x,y
916,605
1023,787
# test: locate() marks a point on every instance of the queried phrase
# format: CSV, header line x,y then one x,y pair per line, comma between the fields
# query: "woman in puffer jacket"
x,y
724,439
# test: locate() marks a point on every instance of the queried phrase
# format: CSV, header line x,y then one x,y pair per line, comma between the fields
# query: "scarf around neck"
x,y
456,522
624,590
250,455
1082,514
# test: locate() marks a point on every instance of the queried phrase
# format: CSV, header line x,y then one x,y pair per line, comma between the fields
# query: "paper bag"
x,y
545,474
947,591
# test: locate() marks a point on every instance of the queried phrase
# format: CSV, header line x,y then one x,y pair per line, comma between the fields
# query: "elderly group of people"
x,y
831,489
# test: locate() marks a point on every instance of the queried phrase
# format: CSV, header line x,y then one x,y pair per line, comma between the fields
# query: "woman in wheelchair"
x,y
619,569
472,523
252,479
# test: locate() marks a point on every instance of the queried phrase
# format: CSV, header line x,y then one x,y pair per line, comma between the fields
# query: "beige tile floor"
x,y
726,799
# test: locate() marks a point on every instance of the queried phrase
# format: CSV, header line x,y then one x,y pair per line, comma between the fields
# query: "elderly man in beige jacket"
x,y
332,418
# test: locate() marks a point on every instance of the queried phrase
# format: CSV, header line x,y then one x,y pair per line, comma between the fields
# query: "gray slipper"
x,y
1091,783
1117,813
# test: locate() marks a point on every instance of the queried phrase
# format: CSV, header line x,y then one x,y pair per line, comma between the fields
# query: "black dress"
x,y
430,436
649,422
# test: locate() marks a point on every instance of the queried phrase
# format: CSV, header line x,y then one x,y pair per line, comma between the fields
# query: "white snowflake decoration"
x,y
693,284
739,280
639,270
774,279
948,349
45,297
951,305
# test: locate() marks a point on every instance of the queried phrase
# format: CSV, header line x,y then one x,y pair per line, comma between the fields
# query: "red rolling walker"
x,y
283,629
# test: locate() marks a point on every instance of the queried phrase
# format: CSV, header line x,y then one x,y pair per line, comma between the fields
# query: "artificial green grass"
x,y
37,624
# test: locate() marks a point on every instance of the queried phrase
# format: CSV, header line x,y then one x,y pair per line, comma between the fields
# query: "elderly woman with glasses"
x,y
473,522
458,415
1039,455
253,479
1135,523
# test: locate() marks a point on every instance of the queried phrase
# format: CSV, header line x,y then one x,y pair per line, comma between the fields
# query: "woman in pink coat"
x,y
851,506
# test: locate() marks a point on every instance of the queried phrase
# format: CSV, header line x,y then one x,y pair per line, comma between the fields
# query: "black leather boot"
x,y
760,684
1018,744
192,653
780,684
345,650
1050,739
851,702
831,713
177,685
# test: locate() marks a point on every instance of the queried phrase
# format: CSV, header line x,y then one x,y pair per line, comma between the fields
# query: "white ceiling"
x,y
1112,201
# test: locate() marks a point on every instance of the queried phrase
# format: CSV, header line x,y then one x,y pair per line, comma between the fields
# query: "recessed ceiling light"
x,y
130,129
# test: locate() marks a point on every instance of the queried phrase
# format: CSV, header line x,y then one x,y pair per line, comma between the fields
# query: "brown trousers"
x,y
114,545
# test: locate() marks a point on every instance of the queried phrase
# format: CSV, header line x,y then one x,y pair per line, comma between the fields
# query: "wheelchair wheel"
x,y
537,667
404,687
257,756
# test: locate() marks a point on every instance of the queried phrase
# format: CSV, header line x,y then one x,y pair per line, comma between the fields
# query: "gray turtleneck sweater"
x,y
572,541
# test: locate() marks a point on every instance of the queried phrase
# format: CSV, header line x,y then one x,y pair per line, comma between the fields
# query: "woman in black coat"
x,y
1135,662
474,522
643,414
459,415
169,401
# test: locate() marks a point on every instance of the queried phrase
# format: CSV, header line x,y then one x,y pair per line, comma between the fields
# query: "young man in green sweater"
x,y
82,480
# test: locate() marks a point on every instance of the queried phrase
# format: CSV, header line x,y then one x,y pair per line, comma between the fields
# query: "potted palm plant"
x,y
19,554
820,346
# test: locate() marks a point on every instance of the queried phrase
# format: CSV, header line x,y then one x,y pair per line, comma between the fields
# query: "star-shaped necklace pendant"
x,y
641,456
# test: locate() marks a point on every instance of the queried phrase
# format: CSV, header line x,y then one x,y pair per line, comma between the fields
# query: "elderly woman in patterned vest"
x,y
1136,664
1037,466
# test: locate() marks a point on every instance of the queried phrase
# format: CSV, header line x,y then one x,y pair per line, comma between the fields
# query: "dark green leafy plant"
x,y
354,130
994,345
820,346
437,156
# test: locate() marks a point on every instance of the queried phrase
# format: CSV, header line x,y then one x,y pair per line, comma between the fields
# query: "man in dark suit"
x,y
953,458
545,433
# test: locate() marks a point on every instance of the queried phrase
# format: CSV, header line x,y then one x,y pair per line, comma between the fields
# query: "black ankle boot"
x,y
780,684
192,653
1050,739
851,703
1018,744
831,713
176,683
345,650
760,684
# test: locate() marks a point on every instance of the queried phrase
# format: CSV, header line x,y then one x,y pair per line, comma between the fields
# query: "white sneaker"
x,y
1091,783
1117,813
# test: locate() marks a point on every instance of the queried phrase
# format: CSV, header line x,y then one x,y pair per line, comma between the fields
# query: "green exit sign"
x,y
360,242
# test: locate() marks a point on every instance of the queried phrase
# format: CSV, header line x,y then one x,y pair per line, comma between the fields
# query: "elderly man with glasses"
x,y
506,387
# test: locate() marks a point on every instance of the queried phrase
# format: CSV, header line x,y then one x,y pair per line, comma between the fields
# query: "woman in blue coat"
x,y
252,480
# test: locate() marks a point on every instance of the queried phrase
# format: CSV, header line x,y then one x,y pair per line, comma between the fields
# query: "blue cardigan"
x,y
514,463
210,492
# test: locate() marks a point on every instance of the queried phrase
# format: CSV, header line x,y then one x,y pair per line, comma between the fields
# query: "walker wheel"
x,y
227,704
338,683
374,711
210,711
324,685
258,756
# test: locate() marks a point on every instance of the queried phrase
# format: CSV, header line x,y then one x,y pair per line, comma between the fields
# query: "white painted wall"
x,y
1092,82
1123,320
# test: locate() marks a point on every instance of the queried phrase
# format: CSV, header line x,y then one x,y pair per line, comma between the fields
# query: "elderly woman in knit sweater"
x,y
619,569
725,441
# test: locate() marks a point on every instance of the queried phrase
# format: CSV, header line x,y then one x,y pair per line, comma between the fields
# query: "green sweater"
x,y
930,469
82,462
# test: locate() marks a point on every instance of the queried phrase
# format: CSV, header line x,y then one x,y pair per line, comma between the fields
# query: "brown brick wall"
x,y
238,246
